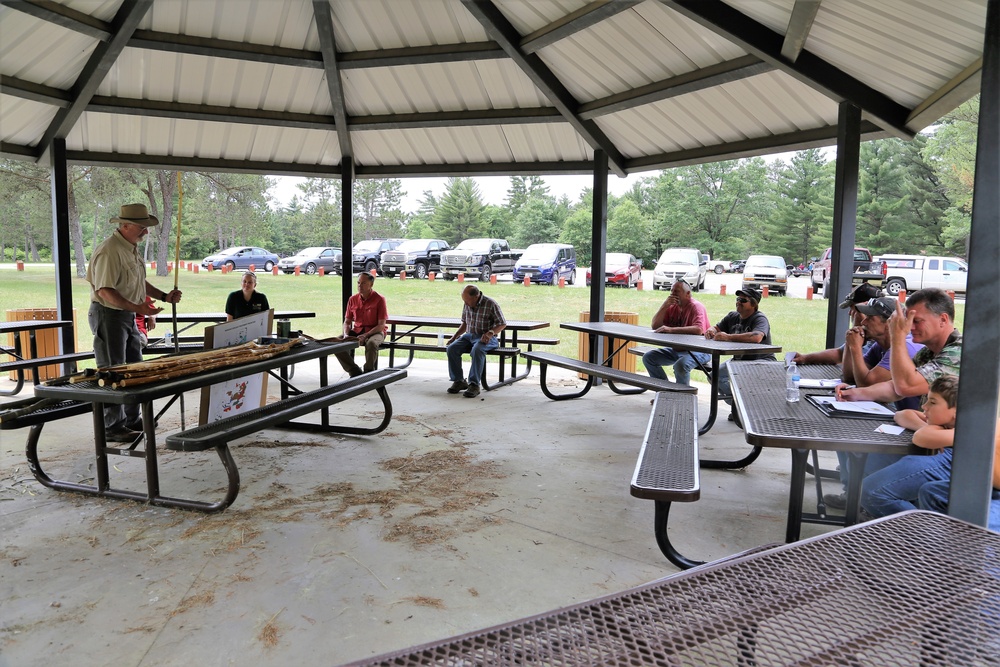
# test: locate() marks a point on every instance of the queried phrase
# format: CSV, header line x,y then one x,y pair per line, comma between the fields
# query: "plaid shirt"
x,y
485,315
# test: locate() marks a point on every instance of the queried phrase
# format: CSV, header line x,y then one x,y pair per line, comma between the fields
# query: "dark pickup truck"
x,y
479,257
417,257
866,270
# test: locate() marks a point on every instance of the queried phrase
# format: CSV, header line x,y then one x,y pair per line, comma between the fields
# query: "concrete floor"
x,y
463,514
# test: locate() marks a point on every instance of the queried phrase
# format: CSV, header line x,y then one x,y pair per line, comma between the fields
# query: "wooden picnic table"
x,y
430,327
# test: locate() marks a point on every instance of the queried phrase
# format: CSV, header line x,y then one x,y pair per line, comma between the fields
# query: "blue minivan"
x,y
546,263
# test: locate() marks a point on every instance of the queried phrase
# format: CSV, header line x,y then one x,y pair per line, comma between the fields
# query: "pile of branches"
x,y
171,367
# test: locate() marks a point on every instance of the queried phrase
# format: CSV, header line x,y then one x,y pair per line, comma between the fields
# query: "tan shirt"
x,y
116,263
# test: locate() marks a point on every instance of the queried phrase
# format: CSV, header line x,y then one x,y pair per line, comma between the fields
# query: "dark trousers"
x,y
116,341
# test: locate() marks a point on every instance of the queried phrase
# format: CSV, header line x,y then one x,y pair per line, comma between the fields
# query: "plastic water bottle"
x,y
792,383
168,339
440,339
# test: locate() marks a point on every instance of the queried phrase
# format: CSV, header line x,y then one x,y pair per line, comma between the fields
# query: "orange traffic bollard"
x,y
170,267
372,272
902,296
638,286
298,271
809,293
152,265
402,275
431,276
274,270
253,268
195,269
562,282
461,277
722,289
210,267
322,272
493,279
20,265
527,281
951,293
764,292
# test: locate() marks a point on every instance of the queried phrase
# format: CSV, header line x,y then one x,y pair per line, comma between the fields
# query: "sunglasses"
x,y
741,299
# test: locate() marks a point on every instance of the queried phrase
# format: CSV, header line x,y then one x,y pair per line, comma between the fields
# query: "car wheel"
x,y
572,277
310,268
230,265
370,266
826,288
268,265
719,270
487,271
893,287
421,271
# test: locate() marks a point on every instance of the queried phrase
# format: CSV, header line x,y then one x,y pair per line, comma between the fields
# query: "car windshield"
x,y
229,251
766,260
413,245
676,257
536,254
367,246
474,245
616,259
310,252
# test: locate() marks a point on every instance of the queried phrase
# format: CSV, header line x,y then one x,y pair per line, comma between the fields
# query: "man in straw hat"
x,y
118,291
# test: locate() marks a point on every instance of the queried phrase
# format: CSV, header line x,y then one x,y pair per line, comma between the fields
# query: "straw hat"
x,y
137,215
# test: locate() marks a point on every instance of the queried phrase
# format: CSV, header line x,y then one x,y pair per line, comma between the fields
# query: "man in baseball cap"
x,y
835,355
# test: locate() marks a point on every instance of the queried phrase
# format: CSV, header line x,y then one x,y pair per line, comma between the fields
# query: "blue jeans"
x,y
682,361
477,352
933,496
896,488
873,463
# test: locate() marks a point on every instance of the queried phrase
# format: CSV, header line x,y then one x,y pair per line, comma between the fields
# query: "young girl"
x,y
896,488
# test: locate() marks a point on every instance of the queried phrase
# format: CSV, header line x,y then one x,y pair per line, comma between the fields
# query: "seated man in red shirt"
x,y
680,314
364,321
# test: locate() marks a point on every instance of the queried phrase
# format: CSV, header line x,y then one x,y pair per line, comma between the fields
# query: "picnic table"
x,y
20,362
90,392
405,331
771,421
913,589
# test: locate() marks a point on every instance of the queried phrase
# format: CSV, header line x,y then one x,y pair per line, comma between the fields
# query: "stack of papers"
x,y
856,408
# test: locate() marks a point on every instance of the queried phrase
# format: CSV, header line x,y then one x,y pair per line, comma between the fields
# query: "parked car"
x,y
620,269
716,266
798,270
546,263
417,257
677,263
367,254
769,270
479,257
241,257
913,272
737,266
311,260
866,270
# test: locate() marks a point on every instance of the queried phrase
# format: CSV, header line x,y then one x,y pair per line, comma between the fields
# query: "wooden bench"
x,y
667,470
219,434
20,365
642,382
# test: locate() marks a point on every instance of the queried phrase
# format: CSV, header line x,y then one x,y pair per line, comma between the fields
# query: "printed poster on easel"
x,y
241,394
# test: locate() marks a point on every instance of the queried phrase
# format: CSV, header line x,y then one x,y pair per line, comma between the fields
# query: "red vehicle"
x,y
621,269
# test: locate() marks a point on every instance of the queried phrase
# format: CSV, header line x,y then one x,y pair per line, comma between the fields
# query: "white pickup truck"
x,y
716,266
913,272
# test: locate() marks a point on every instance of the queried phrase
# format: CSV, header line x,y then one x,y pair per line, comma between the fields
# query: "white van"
x,y
913,272
677,263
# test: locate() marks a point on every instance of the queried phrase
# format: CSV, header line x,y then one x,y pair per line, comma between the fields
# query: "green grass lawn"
x,y
796,324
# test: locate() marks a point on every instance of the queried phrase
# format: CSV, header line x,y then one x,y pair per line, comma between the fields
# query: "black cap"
x,y
883,307
863,293
749,293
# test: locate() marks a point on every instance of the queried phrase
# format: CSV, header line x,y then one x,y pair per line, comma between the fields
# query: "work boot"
x,y
472,391
458,386
121,434
355,371
836,501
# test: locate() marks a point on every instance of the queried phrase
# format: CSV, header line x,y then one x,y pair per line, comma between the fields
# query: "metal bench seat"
x,y
613,375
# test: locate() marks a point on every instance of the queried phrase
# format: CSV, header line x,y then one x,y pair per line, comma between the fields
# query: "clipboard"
x,y
824,404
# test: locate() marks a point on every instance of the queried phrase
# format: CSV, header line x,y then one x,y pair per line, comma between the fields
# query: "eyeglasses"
x,y
740,299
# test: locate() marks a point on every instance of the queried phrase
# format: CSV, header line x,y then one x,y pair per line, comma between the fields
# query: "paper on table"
x,y
807,383
891,429
858,407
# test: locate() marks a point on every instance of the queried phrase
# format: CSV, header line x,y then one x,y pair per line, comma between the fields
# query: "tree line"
x,y
914,196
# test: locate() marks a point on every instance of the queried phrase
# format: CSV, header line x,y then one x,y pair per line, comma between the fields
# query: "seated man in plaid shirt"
x,y
482,322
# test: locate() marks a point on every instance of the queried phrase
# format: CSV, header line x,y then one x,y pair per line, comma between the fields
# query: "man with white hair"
x,y
680,314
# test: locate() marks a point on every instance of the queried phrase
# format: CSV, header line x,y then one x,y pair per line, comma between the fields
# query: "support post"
x,y
346,230
59,177
975,427
845,220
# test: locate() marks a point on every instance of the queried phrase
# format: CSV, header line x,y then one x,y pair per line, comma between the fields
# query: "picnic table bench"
x,y
667,468
20,362
612,375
